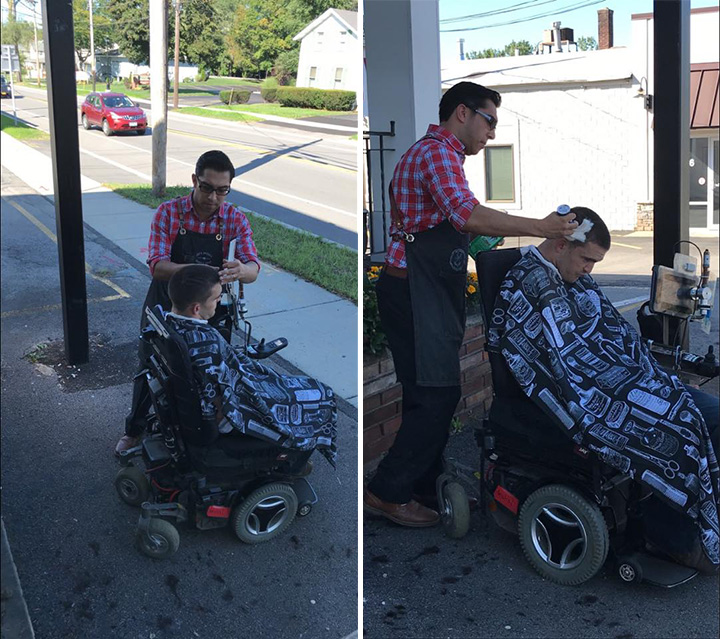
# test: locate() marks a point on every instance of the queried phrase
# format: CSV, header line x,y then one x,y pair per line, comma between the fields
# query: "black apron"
x,y
190,247
437,274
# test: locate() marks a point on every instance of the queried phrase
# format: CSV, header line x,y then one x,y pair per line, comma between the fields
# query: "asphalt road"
x,y
302,178
72,537
421,584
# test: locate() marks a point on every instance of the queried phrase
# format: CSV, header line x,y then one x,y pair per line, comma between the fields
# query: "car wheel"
x,y
106,128
85,123
141,131
563,535
265,513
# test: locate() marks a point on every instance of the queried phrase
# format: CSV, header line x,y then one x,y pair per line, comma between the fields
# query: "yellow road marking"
x,y
630,307
31,218
637,248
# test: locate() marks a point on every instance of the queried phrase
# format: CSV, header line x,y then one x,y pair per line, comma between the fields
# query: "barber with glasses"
x,y
194,229
421,293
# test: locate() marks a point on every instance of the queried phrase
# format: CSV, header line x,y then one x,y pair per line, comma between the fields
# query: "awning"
x,y
704,95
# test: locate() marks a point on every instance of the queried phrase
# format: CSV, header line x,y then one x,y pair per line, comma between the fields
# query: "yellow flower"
x,y
471,289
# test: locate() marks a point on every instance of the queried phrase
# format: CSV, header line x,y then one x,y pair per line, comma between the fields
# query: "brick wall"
x,y
382,396
644,219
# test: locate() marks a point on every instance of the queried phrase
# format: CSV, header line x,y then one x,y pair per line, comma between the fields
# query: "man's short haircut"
x,y
599,233
470,94
192,285
215,160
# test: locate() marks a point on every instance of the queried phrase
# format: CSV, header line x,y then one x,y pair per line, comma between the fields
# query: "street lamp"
x,y
178,7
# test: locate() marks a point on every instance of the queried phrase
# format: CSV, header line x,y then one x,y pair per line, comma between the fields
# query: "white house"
x,y
575,116
329,51
118,66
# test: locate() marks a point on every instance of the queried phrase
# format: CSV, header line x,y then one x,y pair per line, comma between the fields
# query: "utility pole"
x,y
177,53
37,51
92,43
158,93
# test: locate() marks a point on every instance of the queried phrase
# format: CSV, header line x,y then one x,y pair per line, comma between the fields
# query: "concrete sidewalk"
x,y
279,303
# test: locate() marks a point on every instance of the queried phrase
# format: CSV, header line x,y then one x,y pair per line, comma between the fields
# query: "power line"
x,y
514,7
527,19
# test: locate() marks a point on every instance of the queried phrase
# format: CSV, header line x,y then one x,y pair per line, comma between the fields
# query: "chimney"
x,y
605,28
461,42
556,37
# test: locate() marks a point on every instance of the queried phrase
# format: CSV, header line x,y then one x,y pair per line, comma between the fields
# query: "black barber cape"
x,y
293,412
579,361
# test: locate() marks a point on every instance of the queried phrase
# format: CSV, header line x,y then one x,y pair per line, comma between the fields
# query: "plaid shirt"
x,y
166,223
429,185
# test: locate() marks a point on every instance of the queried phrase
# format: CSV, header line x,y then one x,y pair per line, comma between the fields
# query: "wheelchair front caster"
x,y
630,570
132,485
454,510
160,541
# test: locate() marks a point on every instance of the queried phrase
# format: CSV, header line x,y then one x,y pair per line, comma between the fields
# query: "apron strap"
x,y
395,216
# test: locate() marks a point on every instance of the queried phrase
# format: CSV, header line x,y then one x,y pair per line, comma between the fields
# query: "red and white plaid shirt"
x,y
429,185
166,224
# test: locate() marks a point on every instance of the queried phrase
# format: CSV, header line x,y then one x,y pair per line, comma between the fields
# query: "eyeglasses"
x,y
492,122
209,188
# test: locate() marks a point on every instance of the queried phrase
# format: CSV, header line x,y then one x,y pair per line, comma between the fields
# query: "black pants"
x,y
415,459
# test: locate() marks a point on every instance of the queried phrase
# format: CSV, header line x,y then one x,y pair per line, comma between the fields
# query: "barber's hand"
x,y
230,272
556,226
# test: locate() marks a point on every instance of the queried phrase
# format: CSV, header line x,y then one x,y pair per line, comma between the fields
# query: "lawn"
x,y
21,131
219,115
119,87
270,108
333,267
219,81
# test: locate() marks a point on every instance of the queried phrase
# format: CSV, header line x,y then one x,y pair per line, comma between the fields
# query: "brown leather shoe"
x,y
412,514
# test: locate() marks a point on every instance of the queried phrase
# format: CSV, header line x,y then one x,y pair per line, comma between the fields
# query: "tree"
x,y
13,33
587,43
286,66
523,47
200,42
102,28
131,24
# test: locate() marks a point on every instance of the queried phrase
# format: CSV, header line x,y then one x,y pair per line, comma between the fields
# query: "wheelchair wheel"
x,y
265,514
132,485
455,511
563,535
629,569
160,541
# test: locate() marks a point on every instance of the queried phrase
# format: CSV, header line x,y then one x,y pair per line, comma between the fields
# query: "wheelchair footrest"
x,y
305,492
155,451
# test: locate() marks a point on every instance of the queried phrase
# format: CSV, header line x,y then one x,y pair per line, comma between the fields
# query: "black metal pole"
x,y
671,128
62,105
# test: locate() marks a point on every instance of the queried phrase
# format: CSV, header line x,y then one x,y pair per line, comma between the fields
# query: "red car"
x,y
113,112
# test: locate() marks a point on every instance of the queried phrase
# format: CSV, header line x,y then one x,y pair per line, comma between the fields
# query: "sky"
x,y
582,18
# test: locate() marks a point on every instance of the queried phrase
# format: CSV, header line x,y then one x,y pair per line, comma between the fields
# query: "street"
x,y
302,178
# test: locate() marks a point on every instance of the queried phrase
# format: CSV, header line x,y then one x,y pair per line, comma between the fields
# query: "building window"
x,y
499,177
313,76
319,41
338,76
342,37
703,182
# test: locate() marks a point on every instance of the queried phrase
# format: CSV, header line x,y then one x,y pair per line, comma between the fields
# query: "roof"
x,y
348,18
558,68
704,95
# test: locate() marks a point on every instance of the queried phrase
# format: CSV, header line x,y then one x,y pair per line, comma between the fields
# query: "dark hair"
x,y
215,160
599,233
470,94
192,284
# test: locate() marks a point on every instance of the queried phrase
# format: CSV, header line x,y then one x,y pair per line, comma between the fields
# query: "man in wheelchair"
x,y
585,367
239,394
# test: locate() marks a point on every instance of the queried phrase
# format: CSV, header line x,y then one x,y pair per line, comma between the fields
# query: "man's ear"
x,y
561,244
462,113
194,180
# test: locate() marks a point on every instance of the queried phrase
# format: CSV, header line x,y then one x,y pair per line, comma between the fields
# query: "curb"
x,y
15,622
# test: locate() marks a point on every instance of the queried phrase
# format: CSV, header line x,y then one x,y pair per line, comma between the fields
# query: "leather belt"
x,y
394,271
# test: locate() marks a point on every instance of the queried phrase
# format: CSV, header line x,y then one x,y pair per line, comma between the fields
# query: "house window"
x,y
703,182
499,177
319,41
313,76
342,37
338,76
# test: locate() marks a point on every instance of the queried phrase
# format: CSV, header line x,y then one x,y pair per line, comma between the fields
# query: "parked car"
x,y
4,88
112,112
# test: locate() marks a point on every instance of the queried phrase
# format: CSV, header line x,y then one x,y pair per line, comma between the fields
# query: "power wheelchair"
x,y
570,510
186,471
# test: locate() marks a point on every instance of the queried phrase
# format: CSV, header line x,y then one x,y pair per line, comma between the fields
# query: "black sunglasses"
x,y
492,122
209,188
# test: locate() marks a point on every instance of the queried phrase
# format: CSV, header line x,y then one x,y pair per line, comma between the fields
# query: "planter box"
x,y
382,395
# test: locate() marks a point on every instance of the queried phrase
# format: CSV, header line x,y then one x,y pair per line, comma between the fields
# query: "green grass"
x,y
270,108
119,87
21,131
333,267
218,115
215,81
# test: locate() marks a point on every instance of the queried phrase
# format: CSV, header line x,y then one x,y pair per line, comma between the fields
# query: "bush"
x,y
308,98
188,79
268,89
128,83
202,76
234,97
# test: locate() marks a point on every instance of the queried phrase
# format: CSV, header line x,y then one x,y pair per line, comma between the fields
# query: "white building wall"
x,y
572,145
328,52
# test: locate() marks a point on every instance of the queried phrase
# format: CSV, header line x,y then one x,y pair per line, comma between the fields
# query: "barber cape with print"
x,y
579,361
291,411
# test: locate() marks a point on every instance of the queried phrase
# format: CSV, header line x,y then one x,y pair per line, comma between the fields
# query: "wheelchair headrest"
x,y
183,393
492,266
